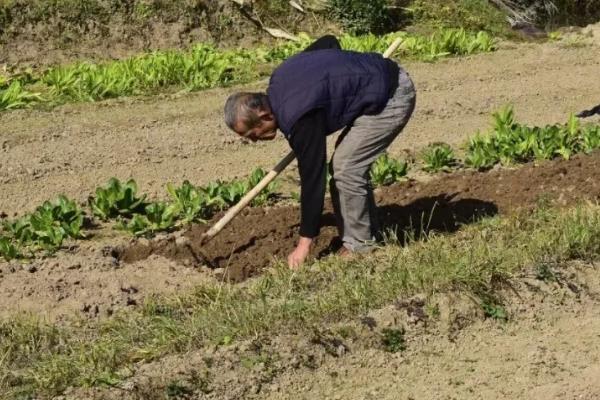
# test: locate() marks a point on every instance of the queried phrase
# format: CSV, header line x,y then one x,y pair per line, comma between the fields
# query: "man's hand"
x,y
298,256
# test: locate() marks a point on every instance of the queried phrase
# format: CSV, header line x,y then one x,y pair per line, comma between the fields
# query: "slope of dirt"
x,y
547,350
110,272
75,148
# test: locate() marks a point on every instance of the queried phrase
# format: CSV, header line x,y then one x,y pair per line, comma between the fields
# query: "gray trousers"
x,y
356,149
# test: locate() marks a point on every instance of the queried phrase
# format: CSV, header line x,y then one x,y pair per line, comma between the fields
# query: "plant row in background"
x,y
507,143
204,66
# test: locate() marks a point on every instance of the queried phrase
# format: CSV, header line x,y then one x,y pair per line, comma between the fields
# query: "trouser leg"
x,y
359,146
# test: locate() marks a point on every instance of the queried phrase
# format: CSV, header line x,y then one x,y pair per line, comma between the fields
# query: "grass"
x,y
41,359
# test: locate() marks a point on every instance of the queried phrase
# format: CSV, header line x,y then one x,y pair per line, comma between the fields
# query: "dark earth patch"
x,y
261,235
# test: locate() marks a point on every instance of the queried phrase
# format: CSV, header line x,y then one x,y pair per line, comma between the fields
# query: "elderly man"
x,y
313,94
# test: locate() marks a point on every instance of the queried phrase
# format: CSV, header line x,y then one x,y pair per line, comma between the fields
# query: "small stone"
x,y
182,241
31,268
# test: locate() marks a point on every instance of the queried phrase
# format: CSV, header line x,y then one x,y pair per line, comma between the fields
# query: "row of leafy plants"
x,y
204,66
507,143
52,223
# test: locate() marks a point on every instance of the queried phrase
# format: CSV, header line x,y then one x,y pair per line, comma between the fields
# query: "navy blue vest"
x,y
345,84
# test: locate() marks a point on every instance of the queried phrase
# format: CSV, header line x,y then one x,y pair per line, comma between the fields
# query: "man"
x,y
313,94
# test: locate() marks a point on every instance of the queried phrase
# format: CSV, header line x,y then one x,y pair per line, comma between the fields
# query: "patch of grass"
x,y
467,14
280,300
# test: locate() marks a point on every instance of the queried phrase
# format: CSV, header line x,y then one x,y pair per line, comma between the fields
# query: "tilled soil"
x,y
262,235
111,272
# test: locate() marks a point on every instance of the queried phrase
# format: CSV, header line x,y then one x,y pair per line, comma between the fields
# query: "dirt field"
x,y
75,148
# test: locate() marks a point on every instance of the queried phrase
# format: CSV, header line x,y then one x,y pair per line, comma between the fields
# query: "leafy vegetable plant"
x,y
48,226
157,217
510,142
438,157
8,249
117,199
386,170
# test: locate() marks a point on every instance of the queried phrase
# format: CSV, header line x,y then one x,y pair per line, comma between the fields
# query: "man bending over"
x,y
312,95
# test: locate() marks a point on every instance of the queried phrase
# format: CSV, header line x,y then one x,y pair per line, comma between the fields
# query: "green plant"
x,y
494,311
157,217
438,157
204,66
16,96
510,142
359,16
386,170
267,193
8,250
117,199
188,202
49,225
393,340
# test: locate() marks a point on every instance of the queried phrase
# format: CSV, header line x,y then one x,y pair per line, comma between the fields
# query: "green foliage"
x,y
393,340
267,193
510,142
471,15
157,217
386,170
204,67
8,249
360,17
441,43
188,203
438,157
116,199
16,96
495,311
46,228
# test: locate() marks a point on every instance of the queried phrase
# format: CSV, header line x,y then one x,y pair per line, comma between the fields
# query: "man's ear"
x,y
265,115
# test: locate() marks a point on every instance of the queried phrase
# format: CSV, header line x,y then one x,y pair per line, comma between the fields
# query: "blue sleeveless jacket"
x,y
345,84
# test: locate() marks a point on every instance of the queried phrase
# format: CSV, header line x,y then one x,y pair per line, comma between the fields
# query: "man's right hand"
x,y
300,253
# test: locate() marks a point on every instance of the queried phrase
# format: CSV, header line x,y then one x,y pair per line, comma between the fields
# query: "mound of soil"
x,y
261,235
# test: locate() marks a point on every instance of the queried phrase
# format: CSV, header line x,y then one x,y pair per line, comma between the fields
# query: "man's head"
x,y
250,116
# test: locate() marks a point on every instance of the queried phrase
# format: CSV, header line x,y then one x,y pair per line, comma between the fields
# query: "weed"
x,y
393,340
495,311
545,273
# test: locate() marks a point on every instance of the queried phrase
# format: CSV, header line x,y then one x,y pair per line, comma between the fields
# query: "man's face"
x,y
265,130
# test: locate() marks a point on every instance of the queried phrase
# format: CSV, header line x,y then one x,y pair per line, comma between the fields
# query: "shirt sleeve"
x,y
324,43
308,140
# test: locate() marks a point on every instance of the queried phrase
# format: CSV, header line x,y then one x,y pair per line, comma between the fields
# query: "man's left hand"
x,y
299,255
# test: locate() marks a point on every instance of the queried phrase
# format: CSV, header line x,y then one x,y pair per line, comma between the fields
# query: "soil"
x,y
169,138
548,349
249,245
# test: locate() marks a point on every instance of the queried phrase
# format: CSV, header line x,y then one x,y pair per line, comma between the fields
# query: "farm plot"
x,y
110,273
99,271
73,149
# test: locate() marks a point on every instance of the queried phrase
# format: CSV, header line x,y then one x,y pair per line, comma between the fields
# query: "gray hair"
x,y
243,107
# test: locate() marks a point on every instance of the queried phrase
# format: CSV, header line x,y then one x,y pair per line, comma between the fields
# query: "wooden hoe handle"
x,y
216,228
